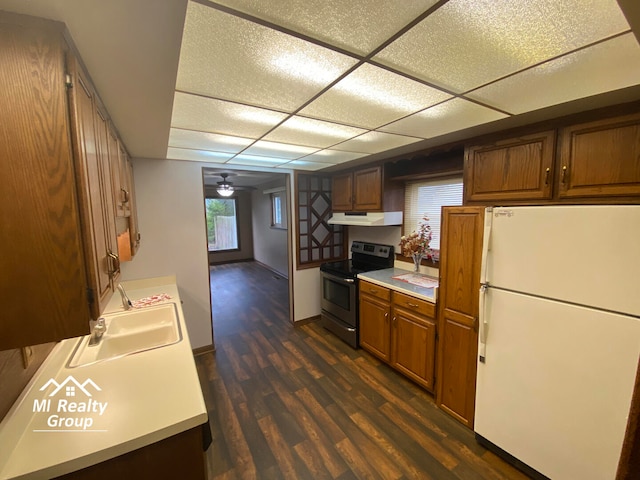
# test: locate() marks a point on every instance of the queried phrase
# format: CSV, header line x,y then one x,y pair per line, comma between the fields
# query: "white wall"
x,y
170,204
269,244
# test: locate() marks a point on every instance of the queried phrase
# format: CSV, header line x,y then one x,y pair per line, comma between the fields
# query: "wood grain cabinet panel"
x,y
58,212
460,263
342,192
512,169
375,332
600,159
414,346
367,190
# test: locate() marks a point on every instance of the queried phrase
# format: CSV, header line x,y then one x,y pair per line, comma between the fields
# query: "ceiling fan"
x,y
226,188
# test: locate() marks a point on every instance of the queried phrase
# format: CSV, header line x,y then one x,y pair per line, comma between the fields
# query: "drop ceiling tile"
x,y
197,155
193,112
449,116
371,96
279,150
207,141
256,161
358,26
375,142
305,165
601,68
313,133
467,43
227,57
332,156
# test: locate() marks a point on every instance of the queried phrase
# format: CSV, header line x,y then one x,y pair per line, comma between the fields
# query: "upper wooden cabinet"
x,y
512,169
600,159
365,190
458,299
593,162
58,213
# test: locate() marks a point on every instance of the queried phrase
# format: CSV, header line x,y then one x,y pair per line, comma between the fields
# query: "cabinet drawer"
x,y
375,290
414,304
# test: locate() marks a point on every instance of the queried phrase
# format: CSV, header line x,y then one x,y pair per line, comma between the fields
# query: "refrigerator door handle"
x,y
484,325
488,219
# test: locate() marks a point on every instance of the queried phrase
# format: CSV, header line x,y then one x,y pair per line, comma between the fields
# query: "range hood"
x,y
371,219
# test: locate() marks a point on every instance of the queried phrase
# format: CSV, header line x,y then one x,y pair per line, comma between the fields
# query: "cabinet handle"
x,y
126,195
564,173
546,176
373,290
412,305
386,317
394,321
115,262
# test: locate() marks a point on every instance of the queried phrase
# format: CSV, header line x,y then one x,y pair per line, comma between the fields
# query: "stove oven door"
x,y
340,307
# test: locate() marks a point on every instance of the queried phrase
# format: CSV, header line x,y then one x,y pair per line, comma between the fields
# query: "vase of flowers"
x,y
416,244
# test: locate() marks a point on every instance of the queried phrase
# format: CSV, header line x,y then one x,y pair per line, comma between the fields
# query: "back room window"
x,y
222,224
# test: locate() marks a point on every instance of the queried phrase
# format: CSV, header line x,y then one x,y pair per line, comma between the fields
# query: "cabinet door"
x,y
460,262
133,215
42,272
90,190
414,346
375,326
367,189
342,192
514,169
600,159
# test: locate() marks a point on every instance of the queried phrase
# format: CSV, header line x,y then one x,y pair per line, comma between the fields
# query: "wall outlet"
x,y
27,356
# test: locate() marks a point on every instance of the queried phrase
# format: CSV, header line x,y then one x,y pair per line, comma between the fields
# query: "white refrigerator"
x,y
559,335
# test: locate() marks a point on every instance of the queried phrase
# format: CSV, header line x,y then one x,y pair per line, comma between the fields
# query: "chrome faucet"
x,y
126,303
97,332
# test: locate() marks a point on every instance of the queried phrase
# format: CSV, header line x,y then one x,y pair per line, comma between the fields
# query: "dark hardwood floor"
x,y
297,403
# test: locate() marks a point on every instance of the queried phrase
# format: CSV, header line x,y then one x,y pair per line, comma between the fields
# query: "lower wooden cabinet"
x,y
400,330
179,456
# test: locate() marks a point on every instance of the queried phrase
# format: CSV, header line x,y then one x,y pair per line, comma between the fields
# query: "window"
x,y
426,198
278,210
222,224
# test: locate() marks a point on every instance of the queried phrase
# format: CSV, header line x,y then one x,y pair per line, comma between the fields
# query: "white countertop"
x,y
384,278
146,397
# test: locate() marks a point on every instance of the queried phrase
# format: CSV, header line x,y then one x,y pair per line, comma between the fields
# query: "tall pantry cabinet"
x,y
60,262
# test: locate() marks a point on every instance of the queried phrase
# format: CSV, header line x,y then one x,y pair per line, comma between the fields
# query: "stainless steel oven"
x,y
340,288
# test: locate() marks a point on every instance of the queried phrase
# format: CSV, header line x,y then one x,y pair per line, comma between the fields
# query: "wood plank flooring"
x,y
298,403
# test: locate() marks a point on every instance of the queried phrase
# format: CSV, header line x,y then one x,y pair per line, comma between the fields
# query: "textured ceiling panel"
x,y
467,43
312,133
607,66
207,141
304,165
358,26
332,156
197,155
449,116
256,161
375,142
227,57
279,150
197,113
371,96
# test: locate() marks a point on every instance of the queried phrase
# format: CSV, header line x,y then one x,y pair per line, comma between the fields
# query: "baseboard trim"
x,y
304,321
280,274
203,350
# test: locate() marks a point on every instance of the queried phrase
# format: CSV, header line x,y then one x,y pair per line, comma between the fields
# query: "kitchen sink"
x,y
130,332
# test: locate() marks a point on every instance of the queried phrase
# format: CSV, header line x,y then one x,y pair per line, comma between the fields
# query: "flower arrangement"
x,y
416,244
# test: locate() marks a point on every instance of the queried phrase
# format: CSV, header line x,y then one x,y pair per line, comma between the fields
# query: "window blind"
x,y
426,198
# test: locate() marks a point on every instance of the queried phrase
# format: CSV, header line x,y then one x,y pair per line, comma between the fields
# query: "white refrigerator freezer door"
x,y
556,387
589,255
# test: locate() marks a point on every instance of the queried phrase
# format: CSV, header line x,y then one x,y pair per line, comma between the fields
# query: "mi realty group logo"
x,y
70,406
